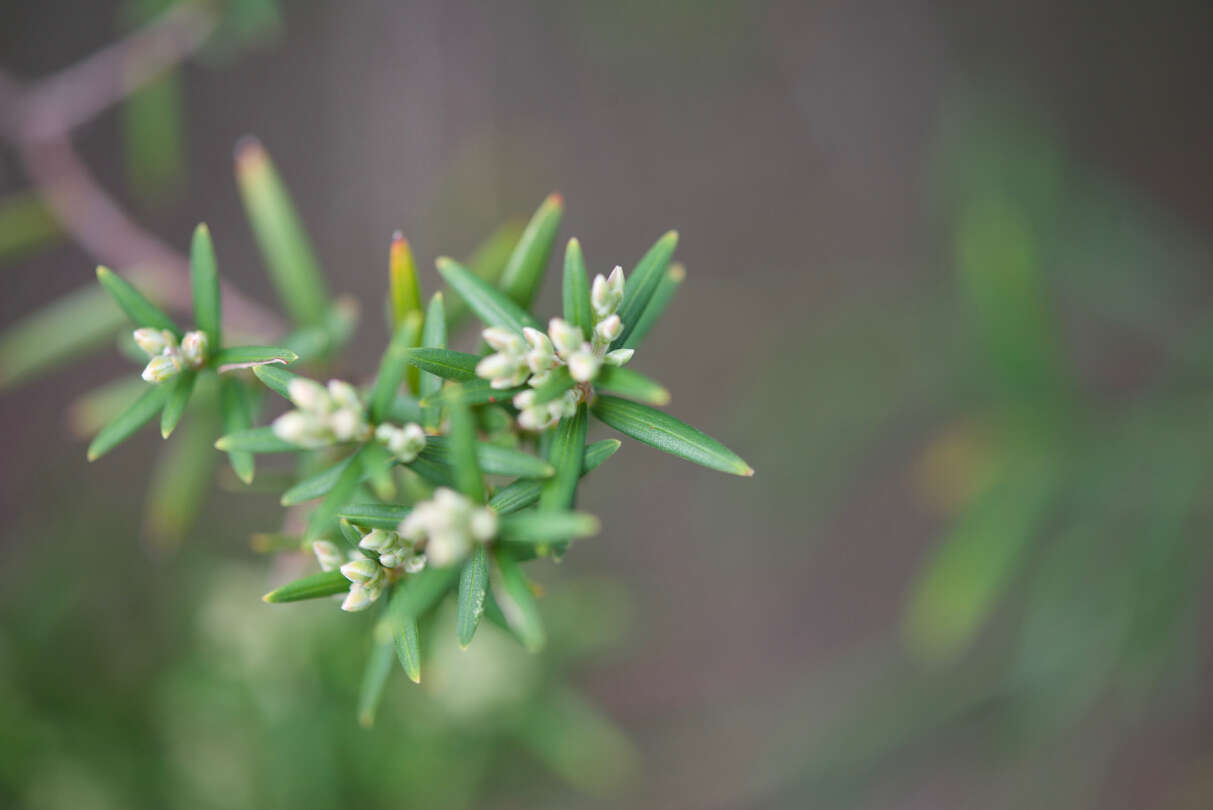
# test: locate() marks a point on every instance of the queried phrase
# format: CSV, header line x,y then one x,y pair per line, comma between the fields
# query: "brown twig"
x,y
38,118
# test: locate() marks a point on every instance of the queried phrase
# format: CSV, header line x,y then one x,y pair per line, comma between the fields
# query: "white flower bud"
x,y
347,424
618,357
533,418
394,558
344,395
608,328
413,441
483,525
294,427
504,340
495,366
193,348
446,547
362,572
308,395
616,281
539,362
415,563
524,399
154,341
379,540
565,337
584,364
328,555
162,367
600,296
359,598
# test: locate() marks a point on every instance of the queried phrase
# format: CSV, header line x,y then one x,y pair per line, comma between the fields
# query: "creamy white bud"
x,y
363,571
496,365
328,555
154,341
293,427
537,340
344,395
193,348
162,367
524,399
394,558
618,357
483,525
415,563
379,540
504,340
445,547
539,379
608,328
616,282
583,364
414,439
539,362
359,598
308,395
532,418
600,296
347,424
565,337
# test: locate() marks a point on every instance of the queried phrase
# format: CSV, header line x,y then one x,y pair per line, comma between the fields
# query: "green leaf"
x,y
631,384
546,527
141,311
134,417
375,515
204,283
394,364
90,411
283,242
576,289
476,392
251,357
374,679
461,448
237,410
434,473
377,463
433,336
339,495
256,440
643,282
63,331
326,583
276,378
567,456
404,292
444,363
153,133
524,271
399,624
491,306
513,593
473,582
403,409
668,434
179,391
554,386
657,305
487,262
316,485
181,480
523,493
493,459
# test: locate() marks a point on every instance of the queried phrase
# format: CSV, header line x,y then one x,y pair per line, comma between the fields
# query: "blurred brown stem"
x,y
38,118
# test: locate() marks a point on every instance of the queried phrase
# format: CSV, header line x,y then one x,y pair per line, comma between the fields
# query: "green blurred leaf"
x,y
63,331
404,291
642,283
524,271
567,455
276,378
631,384
141,311
134,417
491,306
578,743
513,593
89,413
475,392
314,486
284,243
444,363
26,225
375,515
492,459
237,411
399,623
153,135
393,364
256,440
326,583
473,583
204,283
179,391
181,480
668,434
343,487
523,493
546,527
576,289
378,464
403,409
461,448
433,336
374,679
669,284
250,356
558,381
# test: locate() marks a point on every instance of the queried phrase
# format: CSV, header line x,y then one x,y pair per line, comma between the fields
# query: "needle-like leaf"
x,y
316,485
404,291
473,582
576,289
63,331
490,305
554,386
657,305
141,311
444,363
179,391
378,667
394,364
643,282
326,583
631,384
256,440
204,284
493,459
524,271
513,593
476,392
276,378
566,454
433,336
523,493
134,417
340,493
461,448
668,434
374,515
237,411
251,357
546,527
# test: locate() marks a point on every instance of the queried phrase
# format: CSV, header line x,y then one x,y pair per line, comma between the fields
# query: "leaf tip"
x,y
248,152
555,200
245,475
677,273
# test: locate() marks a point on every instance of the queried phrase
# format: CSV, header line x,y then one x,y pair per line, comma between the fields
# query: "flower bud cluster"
x,y
168,359
533,356
368,576
333,414
447,525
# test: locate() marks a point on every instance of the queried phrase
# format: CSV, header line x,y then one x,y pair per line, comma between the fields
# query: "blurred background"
x,y
948,284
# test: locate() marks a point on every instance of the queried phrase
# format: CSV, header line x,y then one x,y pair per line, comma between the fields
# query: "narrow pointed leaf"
x,y
181,480
179,390
256,440
399,623
394,364
59,333
643,283
316,485
91,411
403,409
338,496
434,473
134,417
276,378
631,384
251,356
141,311
492,459
476,392
668,434
657,305
281,237
404,290
513,593
546,527
433,336
374,679
473,582
523,493
204,285
237,411
326,583
576,289
374,515
487,262
524,271
444,363
490,305
461,448
554,386
567,455
377,463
